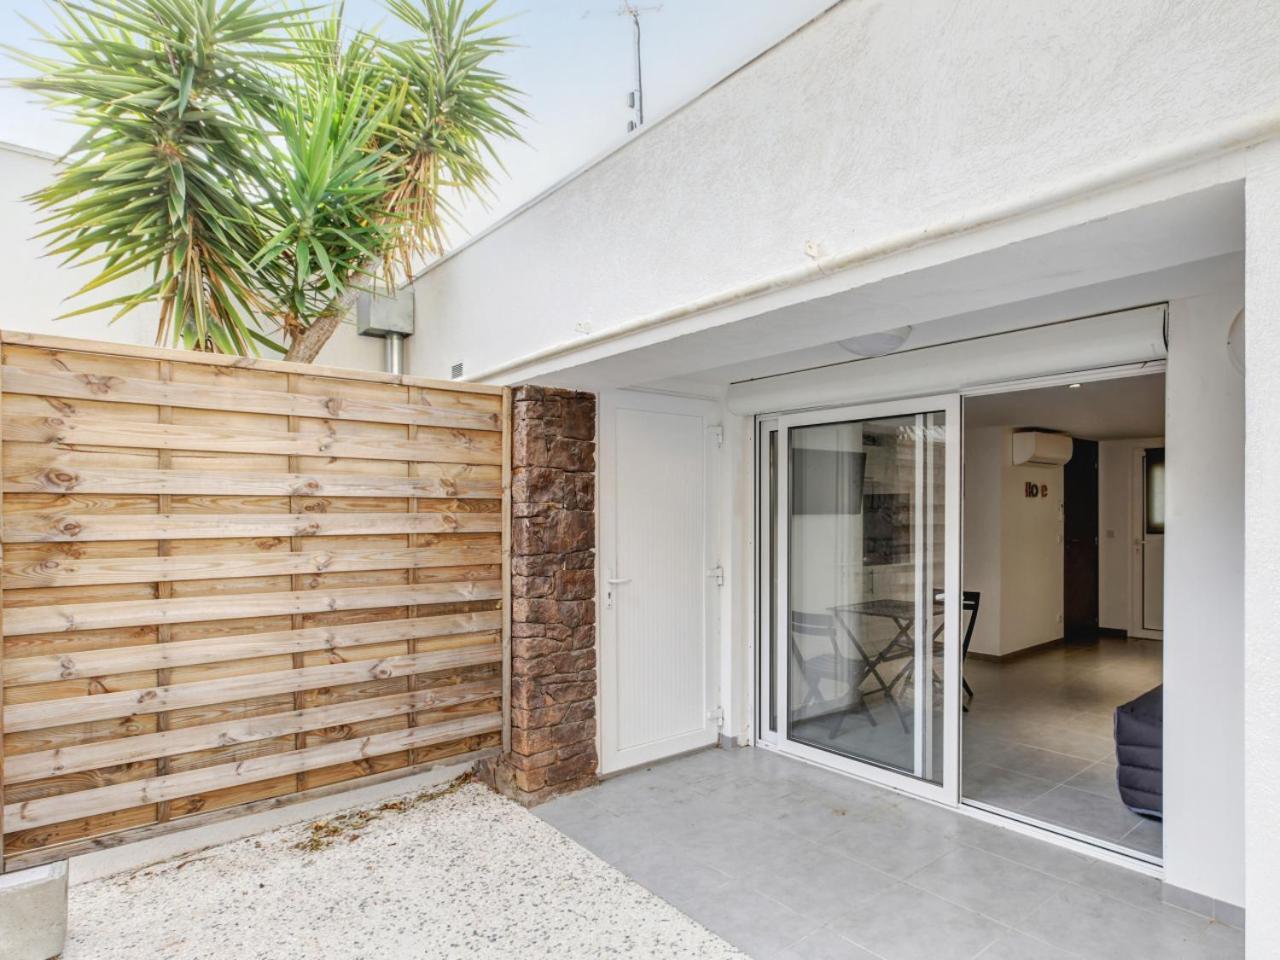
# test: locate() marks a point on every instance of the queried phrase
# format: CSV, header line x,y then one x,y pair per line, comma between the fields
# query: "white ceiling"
x,y
1126,408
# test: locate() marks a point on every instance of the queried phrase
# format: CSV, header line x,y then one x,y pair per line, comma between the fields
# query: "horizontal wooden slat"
x,y
98,387
76,345
59,571
165,513
444,480
21,621
76,527
168,743
109,841
126,703
189,653
442,446
122,796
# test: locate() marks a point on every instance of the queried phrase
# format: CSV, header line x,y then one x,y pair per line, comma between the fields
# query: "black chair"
x,y
835,666
970,600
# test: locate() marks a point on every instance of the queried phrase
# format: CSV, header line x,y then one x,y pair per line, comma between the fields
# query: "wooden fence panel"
x,y
229,584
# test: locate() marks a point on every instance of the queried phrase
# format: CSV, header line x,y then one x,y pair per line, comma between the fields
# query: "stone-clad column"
x,y
553,586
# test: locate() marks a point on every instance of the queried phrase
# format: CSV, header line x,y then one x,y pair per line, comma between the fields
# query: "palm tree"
x,y
256,165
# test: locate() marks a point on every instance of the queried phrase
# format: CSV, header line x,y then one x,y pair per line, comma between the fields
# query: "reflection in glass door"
x,y
867,551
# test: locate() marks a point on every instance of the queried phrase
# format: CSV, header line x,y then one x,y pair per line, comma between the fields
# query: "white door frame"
x,y
948,791
1138,533
613,585
763,669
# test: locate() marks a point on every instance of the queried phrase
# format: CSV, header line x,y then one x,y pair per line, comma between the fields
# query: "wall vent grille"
x,y
455,372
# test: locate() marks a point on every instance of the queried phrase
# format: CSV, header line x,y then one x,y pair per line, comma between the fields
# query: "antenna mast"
x,y
636,98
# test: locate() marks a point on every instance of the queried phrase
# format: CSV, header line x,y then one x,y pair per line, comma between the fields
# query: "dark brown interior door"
x,y
1080,535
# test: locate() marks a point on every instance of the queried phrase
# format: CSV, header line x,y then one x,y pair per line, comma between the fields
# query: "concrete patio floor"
x,y
785,860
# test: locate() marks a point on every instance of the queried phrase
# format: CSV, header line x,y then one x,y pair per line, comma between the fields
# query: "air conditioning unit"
x,y
1036,449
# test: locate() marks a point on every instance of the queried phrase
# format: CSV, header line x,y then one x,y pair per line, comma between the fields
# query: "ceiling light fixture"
x,y
877,344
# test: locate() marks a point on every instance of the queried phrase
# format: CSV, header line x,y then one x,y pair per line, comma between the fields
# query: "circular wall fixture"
x,y
877,344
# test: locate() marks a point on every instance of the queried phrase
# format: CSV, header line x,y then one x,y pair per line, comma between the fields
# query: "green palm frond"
x,y
249,166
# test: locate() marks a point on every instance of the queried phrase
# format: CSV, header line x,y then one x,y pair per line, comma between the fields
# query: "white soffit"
x,y
1133,336
1202,228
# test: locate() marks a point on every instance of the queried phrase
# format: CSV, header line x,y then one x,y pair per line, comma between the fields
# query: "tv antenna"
x,y
635,99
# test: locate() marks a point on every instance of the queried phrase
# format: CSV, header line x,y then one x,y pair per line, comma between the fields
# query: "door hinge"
x,y
717,715
717,434
718,572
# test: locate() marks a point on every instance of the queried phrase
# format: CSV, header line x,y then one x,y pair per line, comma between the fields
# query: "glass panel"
x,y
1155,489
866,565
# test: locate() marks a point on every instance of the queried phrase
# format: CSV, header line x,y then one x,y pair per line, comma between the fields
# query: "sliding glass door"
x,y
862,510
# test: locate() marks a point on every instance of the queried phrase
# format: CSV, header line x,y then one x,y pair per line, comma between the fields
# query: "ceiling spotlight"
x,y
877,344
1073,386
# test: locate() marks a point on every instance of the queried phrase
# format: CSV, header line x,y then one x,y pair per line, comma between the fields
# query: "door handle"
x,y
614,581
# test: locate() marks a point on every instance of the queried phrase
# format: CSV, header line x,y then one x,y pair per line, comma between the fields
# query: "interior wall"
x,y
1031,555
981,537
1204,602
1012,545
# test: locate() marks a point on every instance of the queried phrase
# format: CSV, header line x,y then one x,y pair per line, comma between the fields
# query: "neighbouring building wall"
x,y
38,288
1204,674
859,139
1012,545
553,590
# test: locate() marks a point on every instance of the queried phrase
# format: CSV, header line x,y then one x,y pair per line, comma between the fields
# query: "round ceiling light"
x,y
877,344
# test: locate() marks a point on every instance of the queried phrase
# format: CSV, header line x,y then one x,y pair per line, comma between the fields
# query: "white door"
x,y
660,587
1148,606
868,602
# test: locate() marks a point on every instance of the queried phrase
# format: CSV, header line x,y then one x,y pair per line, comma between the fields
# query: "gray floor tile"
x,y
1098,779
1018,946
1002,787
673,876
1085,812
828,885
1028,851
910,924
1147,837
1040,763
990,885
1136,889
1099,926
826,944
749,920
898,845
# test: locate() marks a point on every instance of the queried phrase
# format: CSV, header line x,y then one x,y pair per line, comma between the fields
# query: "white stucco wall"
x,y
1262,554
879,118
1204,674
38,289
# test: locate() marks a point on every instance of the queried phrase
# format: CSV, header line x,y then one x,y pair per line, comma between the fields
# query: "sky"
x,y
574,62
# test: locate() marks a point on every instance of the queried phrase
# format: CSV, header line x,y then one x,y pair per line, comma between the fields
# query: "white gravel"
x,y
465,874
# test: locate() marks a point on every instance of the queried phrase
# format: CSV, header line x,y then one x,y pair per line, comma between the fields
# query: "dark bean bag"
x,y
1139,731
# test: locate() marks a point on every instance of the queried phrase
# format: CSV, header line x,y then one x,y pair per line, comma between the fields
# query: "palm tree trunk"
x,y
306,347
